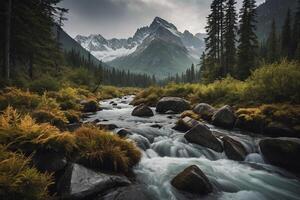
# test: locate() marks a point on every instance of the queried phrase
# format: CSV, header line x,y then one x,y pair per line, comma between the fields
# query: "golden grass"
x,y
20,181
99,149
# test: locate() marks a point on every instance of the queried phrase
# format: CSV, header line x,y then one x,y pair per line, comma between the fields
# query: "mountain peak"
x,y
158,22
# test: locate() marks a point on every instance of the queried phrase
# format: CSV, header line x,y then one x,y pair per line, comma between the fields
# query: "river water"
x,y
166,153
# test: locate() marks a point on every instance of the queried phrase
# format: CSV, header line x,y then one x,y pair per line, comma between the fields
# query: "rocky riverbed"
x,y
236,169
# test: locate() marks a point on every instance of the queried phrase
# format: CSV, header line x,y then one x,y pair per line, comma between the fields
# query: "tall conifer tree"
x,y
230,29
248,44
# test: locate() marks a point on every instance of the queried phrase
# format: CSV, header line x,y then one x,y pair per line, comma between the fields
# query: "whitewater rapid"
x,y
166,153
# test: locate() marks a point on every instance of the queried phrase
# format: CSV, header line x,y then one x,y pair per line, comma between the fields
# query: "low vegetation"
x,y
274,83
102,150
18,180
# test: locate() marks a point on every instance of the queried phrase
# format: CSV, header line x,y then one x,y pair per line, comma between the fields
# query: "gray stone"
x,y
201,135
175,104
192,180
79,182
224,117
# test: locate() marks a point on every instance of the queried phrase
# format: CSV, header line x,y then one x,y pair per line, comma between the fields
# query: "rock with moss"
x,y
201,135
192,180
205,111
79,182
282,152
142,111
175,104
234,149
224,117
185,124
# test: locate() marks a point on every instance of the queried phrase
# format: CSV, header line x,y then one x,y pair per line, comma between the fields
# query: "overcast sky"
x,y
121,18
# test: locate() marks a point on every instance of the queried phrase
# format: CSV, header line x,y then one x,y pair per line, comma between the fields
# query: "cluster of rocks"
x,y
278,151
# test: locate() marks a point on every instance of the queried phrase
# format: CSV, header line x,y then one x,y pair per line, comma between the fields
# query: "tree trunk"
x,y
7,39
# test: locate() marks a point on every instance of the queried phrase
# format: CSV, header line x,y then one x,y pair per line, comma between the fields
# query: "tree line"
x,y
108,75
235,50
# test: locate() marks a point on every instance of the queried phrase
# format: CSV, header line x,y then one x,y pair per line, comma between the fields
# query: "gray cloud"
x,y
121,18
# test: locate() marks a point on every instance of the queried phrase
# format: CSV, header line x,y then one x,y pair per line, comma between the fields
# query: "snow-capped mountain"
x,y
158,46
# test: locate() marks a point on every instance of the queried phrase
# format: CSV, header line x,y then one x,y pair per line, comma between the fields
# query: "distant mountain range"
x,y
156,49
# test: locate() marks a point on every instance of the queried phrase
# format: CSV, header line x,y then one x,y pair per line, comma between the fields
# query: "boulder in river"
x,y
234,150
79,182
201,135
224,117
142,111
192,180
123,132
205,111
282,152
185,124
175,104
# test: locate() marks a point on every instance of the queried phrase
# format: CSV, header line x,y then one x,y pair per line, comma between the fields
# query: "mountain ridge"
x,y
125,53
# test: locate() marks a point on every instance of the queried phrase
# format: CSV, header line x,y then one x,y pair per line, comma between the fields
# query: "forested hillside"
x,y
38,53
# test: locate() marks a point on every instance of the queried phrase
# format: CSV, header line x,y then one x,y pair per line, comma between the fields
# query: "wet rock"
x,y
133,192
114,104
185,124
79,182
274,129
205,111
192,180
282,152
234,150
175,104
156,126
141,141
142,111
201,135
123,132
90,106
49,161
107,126
224,117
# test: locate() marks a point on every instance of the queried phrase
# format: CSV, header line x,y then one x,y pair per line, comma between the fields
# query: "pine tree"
x,y
286,36
248,44
211,41
230,37
272,44
214,40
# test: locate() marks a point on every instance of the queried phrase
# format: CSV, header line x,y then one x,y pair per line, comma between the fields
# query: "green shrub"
x,y
20,181
99,149
44,84
274,83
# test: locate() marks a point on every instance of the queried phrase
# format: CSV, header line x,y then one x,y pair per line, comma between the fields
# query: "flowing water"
x,y
166,153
